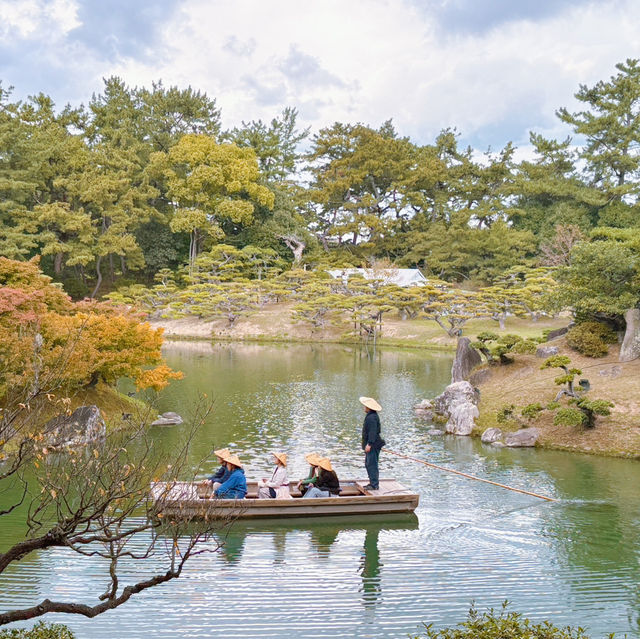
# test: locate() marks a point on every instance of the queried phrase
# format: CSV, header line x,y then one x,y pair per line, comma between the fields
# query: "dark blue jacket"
x,y
235,487
371,431
221,475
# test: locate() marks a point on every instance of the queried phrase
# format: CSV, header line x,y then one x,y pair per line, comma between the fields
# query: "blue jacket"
x,y
235,487
221,475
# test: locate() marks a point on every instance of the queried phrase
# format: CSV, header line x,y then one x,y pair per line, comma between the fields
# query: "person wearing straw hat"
x,y
371,440
326,484
278,486
311,478
235,487
222,474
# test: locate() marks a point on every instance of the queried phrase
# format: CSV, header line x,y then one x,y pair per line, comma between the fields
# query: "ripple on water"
x,y
574,561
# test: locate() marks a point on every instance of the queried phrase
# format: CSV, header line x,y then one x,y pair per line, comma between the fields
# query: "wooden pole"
x,y
457,472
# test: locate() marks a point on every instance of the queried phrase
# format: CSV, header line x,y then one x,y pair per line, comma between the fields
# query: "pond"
x,y
573,562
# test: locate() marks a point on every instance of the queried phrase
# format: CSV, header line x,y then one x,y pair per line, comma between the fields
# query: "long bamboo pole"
x,y
457,472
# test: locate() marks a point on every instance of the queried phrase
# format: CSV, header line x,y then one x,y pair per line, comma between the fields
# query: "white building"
x,y
398,276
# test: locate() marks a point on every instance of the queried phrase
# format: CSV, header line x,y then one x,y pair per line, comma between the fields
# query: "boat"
x,y
195,500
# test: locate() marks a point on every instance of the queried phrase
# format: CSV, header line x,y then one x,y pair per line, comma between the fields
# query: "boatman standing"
x,y
372,442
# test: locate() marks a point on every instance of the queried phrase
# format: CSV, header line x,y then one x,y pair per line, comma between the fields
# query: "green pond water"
x,y
574,562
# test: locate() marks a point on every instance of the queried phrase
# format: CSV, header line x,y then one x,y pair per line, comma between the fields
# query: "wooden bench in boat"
x,y
193,500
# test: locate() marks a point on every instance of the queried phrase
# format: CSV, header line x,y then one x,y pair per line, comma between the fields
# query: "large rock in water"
x,y
491,435
630,348
167,419
522,438
459,403
84,426
467,358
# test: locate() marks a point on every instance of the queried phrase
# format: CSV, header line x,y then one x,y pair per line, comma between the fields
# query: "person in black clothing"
x,y
326,483
371,440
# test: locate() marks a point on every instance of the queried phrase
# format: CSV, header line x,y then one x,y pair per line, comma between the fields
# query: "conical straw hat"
x,y
371,403
233,459
222,453
282,457
325,463
312,458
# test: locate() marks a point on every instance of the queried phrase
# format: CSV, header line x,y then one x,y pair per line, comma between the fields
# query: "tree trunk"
x,y
99,274
58,261
630,348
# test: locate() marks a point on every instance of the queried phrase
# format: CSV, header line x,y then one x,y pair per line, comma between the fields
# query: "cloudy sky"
x,y
495,69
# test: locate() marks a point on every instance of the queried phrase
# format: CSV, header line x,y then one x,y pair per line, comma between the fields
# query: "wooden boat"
x,y
194,500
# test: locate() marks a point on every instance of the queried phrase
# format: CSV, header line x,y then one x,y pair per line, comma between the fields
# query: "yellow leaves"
x,y
53,493
96,454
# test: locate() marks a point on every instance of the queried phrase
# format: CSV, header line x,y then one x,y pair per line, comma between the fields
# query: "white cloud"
x,y
368,60
26,18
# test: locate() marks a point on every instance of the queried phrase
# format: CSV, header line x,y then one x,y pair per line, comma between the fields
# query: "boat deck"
x,y
193,500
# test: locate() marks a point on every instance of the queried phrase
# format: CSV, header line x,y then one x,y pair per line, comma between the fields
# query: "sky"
x,y
494,69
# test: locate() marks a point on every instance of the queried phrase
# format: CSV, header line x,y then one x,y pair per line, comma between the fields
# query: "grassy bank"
x,y
523,383
274,323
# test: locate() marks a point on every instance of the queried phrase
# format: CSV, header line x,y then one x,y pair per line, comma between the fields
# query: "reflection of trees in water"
x,y
370,566
322,539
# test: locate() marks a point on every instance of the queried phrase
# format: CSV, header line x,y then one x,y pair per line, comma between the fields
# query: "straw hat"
x,y
312,458
281,457
233,459
371,403
325,463
222,453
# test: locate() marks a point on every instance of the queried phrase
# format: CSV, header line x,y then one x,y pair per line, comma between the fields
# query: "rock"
x,y
84,426
479,377
462,419
467,358
613,372
522,438
458,403
546,351
558,332
167,419
491,435
425,404
630,348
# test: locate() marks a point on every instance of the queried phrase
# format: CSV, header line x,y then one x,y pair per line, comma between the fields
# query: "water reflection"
x,y
370,566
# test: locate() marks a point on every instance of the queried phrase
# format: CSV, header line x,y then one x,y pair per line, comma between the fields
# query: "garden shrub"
x,y
525,346
591,338
40,631
502,625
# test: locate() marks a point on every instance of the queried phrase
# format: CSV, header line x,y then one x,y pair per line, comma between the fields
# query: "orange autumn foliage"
x,y
44,335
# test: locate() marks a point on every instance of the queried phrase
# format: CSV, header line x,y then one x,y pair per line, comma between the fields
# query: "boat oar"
x,y
457,472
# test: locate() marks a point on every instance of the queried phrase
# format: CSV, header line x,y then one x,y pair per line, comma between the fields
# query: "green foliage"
x,y
568,416
531,411
501,625
525,347
591,338
509,340
506,414
40,631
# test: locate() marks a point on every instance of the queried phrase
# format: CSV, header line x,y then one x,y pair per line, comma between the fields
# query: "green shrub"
x,y
502,625
591,338
510,340
525,346
40,631
531,411
570,417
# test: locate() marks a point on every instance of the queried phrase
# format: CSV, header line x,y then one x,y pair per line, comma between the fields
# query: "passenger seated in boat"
x,y
235,487
278,486
326,483
310,479
222,474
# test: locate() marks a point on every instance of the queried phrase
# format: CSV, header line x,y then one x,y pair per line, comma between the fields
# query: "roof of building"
x,y
398,276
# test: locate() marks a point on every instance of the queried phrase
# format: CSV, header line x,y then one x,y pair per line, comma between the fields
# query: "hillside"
x,y
523,382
